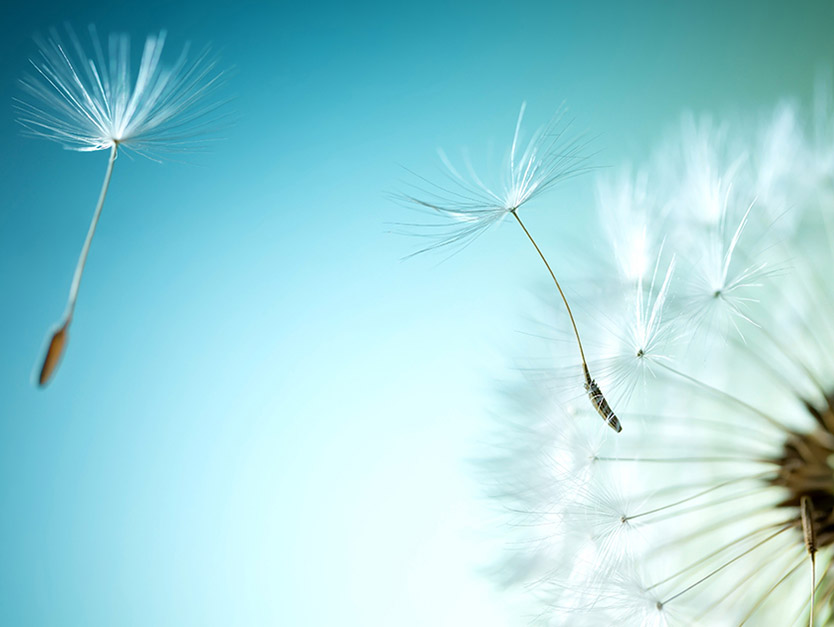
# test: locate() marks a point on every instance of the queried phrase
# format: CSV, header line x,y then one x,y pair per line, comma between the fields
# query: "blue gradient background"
x,y
264,416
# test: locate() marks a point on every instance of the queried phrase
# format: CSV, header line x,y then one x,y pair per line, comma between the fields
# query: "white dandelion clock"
x,y
473,207
96,101
716,506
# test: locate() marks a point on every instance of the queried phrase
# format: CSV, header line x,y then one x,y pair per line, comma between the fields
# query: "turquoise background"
x,y
265,417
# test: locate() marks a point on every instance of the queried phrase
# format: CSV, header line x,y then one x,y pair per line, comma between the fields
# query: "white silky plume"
x,y
93,99
717,352
467,203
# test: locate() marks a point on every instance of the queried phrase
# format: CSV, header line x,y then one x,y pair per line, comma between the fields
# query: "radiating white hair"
x,y
90,100
716,346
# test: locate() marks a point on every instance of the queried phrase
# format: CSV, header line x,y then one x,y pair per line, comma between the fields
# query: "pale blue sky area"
x,y
265,417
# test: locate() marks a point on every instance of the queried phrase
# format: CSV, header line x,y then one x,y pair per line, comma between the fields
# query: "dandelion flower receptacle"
x,y
468,207
95,101
716,506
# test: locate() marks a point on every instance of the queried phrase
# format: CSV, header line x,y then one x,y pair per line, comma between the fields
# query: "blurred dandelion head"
x,y
467,203
93,99
715,341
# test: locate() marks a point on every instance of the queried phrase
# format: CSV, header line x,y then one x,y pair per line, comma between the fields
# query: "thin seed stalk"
x,y
58,341
591,387
807,516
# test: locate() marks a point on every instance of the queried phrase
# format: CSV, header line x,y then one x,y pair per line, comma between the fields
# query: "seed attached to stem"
x,y
591,387
59,339
94,102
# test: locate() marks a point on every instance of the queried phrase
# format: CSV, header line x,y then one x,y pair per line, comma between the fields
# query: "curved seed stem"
x,y
591,387
558,287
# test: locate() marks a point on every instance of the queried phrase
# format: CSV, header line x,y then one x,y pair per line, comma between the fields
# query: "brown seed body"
x,y
53,354
600,404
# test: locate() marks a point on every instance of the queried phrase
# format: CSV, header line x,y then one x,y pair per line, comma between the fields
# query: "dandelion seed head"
x,y
90,98
467,204
722,321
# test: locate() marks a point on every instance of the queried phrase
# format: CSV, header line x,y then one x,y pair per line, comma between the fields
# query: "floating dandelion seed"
x,y
717,506
96,102
473,207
